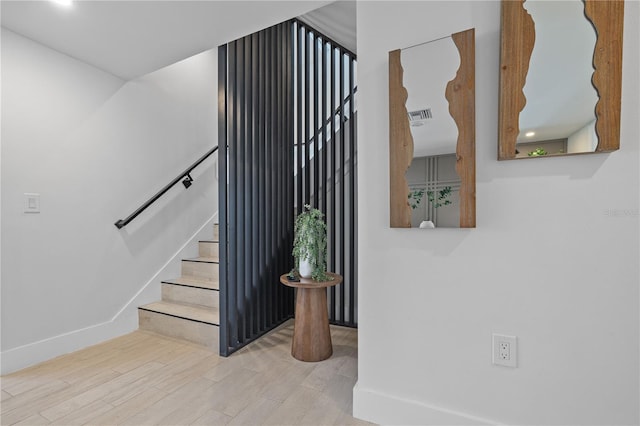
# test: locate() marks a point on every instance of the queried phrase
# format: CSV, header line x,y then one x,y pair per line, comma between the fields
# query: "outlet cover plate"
x,y
31,202
505,350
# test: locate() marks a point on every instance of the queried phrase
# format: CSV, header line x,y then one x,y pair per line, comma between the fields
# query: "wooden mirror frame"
x,y
460,93
516,44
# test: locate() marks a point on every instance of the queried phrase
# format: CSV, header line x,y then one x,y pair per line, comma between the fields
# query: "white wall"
x,y
429,301
94,147
584,139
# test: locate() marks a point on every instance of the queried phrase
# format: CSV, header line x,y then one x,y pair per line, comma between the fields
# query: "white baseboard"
x,y
33,353
383,409
123,322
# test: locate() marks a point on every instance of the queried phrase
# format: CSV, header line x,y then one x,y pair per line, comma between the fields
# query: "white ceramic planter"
x,y
304,268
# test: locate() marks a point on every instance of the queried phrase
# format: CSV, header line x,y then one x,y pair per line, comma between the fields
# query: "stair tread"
x,y
209,241
203,259
194,282
190,312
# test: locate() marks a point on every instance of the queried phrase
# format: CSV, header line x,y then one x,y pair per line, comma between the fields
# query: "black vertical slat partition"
x,y
340,187
331,218
223,152
287,113
303,144
325,175
352,190
256,178
299,106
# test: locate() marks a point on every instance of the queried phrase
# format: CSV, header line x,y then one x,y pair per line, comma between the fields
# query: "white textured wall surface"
x,y
94,147
430,300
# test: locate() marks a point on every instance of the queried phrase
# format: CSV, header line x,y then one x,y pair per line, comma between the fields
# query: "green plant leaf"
x,y
310,241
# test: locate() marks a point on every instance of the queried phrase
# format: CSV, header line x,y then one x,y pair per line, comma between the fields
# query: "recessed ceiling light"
x,y
63,2
529,134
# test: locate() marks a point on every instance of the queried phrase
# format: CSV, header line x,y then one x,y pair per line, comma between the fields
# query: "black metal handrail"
x,y
123,222
336,113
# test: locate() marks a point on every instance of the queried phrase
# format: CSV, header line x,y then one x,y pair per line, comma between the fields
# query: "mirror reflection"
x,y
559,114
434,192
434,184
561,51
432,161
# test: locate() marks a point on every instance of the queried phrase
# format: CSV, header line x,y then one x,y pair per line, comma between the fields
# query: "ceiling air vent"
x,y
419,117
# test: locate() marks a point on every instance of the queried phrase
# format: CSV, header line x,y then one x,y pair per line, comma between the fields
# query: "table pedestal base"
x,y
311,334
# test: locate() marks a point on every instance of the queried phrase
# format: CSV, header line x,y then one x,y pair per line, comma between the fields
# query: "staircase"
x,y
189,308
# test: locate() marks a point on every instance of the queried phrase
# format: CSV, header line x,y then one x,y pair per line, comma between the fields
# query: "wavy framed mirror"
x,y
560,77
432,133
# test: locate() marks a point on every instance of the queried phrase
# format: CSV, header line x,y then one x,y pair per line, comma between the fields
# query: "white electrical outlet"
x,y
31,202
505,350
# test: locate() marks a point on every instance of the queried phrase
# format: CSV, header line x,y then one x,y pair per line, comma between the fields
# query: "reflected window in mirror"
x,y
560,77
434,192
432,133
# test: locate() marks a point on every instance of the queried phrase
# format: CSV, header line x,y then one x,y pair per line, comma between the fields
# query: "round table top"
x,y
309,283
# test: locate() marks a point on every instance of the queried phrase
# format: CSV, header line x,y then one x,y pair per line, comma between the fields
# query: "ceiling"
x,y
133,38
428,68
336,20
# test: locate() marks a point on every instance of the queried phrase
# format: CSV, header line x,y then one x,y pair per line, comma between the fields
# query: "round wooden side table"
x,y
311,335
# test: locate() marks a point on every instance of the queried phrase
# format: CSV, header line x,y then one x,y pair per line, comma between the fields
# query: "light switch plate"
x,y
31,202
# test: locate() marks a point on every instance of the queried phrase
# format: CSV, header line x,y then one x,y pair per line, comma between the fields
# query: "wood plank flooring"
x,y
146,379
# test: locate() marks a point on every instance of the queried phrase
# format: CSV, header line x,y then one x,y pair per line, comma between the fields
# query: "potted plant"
x,y
310,244
436,198
440,198
538,152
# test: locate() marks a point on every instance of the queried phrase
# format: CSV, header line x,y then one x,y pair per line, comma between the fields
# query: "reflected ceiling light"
x,y
63,2
529,134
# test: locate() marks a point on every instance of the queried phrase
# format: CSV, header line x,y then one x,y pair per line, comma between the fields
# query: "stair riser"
x,y
196,332
190,295
202,270
207,249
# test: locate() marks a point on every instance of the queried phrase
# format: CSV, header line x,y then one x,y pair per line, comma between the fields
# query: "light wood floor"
x,y
144,378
